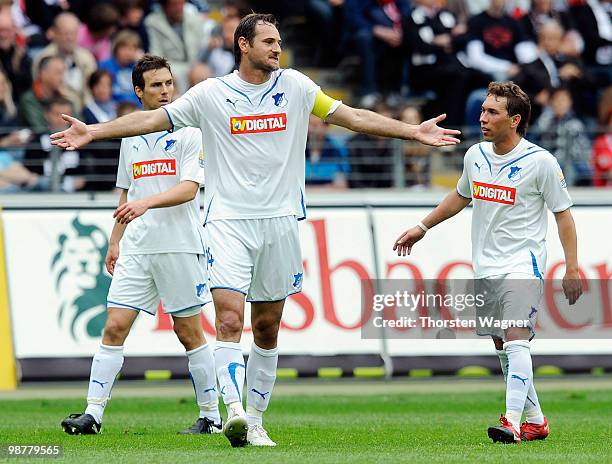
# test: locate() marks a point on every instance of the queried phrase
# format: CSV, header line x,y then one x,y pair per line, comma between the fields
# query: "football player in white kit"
x,y
254,125
157,255
511,183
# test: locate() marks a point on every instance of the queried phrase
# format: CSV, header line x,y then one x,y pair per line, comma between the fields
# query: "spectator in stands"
x,y
126,107
95,35
79,63
48,85
8,110
43,12
68,162
497,44
126,51
325,16
326,157
602,147
432,40
416,155
564,135
176,36
554,68
542,12
235,8
15,177
219,54
102,107
371,158
377,34
132,14
593,21
199,72
14,59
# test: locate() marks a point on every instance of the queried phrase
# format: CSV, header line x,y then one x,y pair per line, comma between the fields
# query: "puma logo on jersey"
x,y
494,193
254,124
233,103
154,168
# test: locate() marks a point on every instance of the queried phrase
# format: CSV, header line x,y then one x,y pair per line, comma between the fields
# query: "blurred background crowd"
x,y
408,59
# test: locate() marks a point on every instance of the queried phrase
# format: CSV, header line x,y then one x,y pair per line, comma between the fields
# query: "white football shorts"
x,y
511,299
179,280
260,258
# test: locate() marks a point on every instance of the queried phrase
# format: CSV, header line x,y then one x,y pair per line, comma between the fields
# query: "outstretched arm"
x,y
140,122
572,285
451,205
181,193
369,122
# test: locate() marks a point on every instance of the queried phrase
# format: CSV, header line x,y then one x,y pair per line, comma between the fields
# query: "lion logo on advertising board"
x,y
80,280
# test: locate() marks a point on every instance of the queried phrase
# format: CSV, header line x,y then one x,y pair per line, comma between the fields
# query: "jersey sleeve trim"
x,y
461,195
169,119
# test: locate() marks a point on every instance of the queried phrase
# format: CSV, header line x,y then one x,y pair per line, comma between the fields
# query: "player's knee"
x,y
229,323
265,329
115,332
190,337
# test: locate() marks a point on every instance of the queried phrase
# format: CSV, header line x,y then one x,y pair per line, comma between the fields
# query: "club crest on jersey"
x,y
170,146
515,173
494,193
280,100
201,159
254,124
151,168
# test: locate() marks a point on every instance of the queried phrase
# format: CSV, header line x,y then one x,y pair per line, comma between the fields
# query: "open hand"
x,y
429,133
404,242
76,136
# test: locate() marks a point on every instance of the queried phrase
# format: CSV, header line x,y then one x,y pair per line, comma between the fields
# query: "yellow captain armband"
x,y
324,105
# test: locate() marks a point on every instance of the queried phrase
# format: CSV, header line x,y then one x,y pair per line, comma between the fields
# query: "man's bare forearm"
x,y
177,195
369,122
137,123
569,241
119,229
451,205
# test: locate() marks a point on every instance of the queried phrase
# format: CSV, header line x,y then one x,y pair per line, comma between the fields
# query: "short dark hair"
x,y
517,102
147,63
44,62
246,29
96,77
57,100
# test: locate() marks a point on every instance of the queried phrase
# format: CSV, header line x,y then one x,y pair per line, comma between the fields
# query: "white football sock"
x,y
261,375
229,365
533,411
106,364
503,361
519,378
202,372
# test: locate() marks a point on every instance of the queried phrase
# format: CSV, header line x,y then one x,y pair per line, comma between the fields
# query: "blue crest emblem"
x,y
515,173
170,144
279,99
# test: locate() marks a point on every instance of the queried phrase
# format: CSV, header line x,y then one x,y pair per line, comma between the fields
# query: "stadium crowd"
x,y
410,59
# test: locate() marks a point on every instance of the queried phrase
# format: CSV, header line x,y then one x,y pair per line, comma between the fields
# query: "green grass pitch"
x,y
367,426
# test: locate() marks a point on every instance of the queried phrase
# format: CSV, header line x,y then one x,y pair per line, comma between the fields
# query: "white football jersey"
x,y
510,194
254,137
151,164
